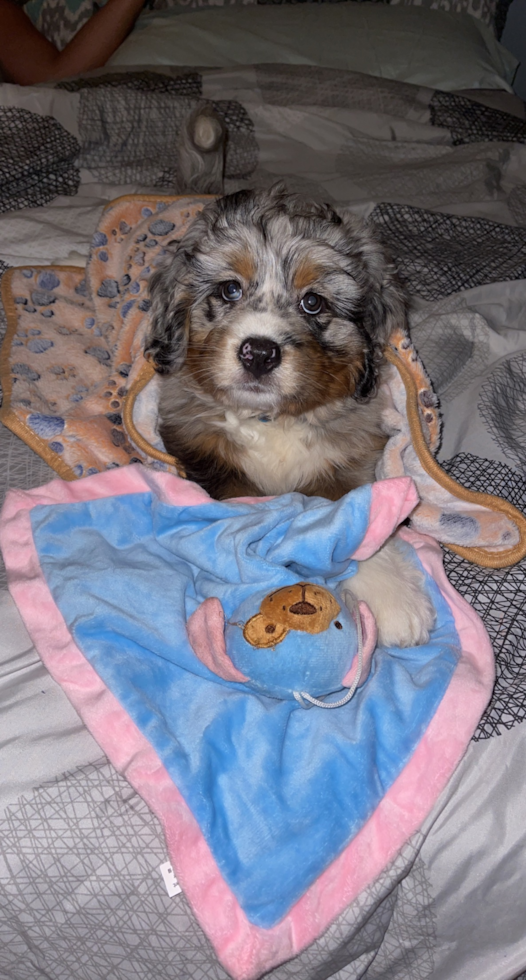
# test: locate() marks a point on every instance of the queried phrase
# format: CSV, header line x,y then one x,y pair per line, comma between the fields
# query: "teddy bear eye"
x,y
231,291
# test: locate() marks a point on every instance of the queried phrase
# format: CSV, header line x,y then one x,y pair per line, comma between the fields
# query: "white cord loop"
x,y
302,696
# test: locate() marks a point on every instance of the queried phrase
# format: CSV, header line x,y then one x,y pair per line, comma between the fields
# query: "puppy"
x,y
268,323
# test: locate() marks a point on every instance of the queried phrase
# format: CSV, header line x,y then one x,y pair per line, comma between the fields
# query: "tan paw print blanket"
x,y
78,390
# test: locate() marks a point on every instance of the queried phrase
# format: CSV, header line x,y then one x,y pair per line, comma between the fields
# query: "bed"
x,y
424,139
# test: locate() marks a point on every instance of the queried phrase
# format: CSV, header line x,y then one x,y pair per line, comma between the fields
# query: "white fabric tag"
x,y
172,886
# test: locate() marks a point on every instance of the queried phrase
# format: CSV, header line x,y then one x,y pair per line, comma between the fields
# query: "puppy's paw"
x,y
406,622
394,589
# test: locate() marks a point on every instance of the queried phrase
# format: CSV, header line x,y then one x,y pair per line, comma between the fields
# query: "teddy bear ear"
x,y
369,641
262,632
206,632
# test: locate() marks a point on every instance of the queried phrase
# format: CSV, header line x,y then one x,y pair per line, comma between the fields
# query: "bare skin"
x,y
27,57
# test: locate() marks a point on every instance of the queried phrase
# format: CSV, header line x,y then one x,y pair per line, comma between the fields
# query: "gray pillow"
x,y
413,44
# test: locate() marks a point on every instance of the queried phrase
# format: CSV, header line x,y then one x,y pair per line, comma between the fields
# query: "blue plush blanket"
x,y
277,791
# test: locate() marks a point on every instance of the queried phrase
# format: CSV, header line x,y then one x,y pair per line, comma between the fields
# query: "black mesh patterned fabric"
x,y
470,122
517,203
498,595
439,254
502,405
37,159
188,83
241,148
130,128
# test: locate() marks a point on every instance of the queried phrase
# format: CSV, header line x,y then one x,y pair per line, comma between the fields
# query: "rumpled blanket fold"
x,y
79,391
275,817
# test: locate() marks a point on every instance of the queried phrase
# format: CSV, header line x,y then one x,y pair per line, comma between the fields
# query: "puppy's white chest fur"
x,y
280,455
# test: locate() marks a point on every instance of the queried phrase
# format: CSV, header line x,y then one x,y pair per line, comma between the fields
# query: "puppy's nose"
x,y
259,355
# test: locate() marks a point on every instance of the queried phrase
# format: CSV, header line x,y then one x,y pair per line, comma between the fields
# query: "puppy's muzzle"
x,y
259,355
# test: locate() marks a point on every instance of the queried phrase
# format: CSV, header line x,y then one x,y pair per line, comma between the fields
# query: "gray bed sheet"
x,y
81,891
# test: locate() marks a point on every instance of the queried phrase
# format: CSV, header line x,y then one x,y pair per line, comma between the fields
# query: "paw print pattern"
x,y
39,344
46,426
76,346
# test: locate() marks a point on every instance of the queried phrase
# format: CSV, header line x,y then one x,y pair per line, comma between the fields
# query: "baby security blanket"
x,y
78,389
164,614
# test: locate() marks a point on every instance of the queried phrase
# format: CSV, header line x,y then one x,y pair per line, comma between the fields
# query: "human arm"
x,y
27,57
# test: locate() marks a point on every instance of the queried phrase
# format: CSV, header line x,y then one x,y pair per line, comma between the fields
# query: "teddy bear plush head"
x,y
303,607
295,641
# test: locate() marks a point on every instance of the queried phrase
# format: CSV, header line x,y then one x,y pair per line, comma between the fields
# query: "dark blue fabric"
x,y
278,791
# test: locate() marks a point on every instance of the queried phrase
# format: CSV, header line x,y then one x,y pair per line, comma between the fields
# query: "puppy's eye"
x,y
231,291
312,304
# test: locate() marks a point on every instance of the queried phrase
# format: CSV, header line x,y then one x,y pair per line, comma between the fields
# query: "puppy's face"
x,y
274,305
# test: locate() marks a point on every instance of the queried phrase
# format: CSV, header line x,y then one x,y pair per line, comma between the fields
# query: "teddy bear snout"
x,y
303,608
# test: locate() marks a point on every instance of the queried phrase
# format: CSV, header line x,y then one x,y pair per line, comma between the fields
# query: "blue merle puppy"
x,y
268,325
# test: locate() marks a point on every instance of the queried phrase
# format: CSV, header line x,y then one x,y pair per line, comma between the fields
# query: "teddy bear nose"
x,y
259,355
303,609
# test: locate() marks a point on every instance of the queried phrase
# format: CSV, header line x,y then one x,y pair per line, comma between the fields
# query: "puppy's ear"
x,y
384,311
386,308
365,387
167,339
383,306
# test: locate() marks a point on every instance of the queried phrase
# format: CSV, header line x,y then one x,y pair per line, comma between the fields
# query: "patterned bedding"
x,y
81,890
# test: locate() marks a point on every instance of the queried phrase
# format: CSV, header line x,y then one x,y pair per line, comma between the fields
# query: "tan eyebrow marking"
x,y
306,273
242,263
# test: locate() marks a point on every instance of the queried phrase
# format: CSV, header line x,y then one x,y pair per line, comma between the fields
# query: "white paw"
x,y
394,589
406,623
